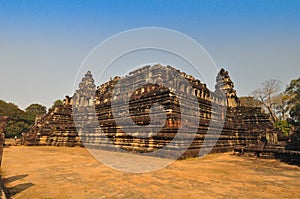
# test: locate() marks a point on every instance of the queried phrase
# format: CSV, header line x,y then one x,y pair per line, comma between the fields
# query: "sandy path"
x,y
62,172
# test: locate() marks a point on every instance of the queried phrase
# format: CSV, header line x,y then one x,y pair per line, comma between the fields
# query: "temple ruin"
x,y
243,126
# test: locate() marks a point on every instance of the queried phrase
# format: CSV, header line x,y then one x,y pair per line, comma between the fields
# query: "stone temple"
x,y
243,126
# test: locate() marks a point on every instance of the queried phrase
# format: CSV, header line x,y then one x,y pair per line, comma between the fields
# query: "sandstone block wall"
x,y
243,125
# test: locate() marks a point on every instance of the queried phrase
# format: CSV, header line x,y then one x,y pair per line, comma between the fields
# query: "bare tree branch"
x,y
266,96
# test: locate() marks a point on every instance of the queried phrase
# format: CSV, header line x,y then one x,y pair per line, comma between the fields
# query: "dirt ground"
x,y
62,172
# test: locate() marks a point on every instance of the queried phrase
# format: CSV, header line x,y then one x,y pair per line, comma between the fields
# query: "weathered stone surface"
x,y
243,125
57,127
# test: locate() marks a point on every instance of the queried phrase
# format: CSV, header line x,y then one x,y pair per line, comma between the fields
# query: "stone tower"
x,y
224,84
84,96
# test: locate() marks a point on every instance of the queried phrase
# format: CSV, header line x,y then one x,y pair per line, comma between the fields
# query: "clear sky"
x,y
43,43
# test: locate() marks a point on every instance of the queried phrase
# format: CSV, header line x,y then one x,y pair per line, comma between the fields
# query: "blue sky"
x,y
43,43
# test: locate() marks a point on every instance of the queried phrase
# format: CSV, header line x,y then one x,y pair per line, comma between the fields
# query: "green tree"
x,y
294,91
284,126
36,109
57,103
19,121
282,106
16,128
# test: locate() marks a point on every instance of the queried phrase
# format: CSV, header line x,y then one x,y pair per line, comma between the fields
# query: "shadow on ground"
x,y
14,178
17,188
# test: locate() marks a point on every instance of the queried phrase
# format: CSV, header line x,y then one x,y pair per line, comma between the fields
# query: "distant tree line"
x,y
20,121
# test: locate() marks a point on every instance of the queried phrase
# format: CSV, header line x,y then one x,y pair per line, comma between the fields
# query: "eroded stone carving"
x,y
243,125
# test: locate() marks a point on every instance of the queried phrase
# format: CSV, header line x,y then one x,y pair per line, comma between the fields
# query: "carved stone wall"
x,y
243,125
225,84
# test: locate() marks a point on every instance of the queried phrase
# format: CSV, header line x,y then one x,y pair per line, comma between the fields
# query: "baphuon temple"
x,y
243,126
